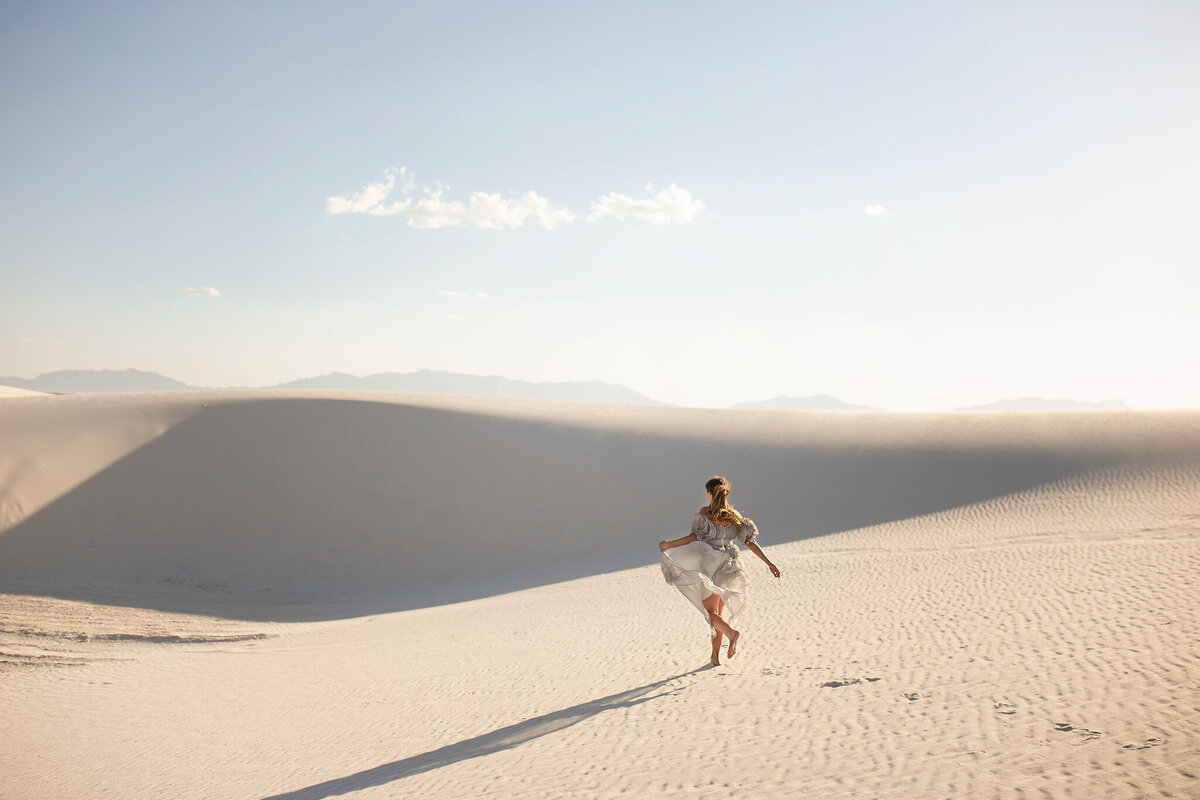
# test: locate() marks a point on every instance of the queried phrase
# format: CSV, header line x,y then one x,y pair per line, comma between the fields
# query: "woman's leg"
x,y
714,606
733,637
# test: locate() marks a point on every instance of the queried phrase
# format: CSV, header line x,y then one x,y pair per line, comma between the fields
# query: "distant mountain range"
x,y
439,382
817,402
97,380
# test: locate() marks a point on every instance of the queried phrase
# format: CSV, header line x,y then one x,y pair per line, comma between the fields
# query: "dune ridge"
x,y
408,493
14,391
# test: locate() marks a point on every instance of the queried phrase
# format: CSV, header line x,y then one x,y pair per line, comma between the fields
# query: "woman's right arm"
x,y
665,545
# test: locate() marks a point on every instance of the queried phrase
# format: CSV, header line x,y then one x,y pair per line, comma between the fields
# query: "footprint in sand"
x,y
1153,741
847,682
912,696
1087,735
1005,708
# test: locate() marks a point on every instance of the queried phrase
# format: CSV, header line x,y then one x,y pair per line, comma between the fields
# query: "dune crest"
x,y
13,391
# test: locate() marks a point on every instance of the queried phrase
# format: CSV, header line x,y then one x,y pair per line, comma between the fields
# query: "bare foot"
x,y
715,661
733,639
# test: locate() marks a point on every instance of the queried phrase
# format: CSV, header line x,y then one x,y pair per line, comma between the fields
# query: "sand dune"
x,y
12,391
403,493
972,606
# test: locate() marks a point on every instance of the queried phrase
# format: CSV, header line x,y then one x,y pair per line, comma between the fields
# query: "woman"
x,y
704,565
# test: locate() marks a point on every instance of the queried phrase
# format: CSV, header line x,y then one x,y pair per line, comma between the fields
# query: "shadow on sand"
x,y
396,506
486,744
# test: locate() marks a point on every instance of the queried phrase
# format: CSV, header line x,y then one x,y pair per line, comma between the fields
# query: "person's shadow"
x,y
485,744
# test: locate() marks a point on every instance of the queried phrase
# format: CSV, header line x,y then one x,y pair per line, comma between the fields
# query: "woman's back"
x,y
721,535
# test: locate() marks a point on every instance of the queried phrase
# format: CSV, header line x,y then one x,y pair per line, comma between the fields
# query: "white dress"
x,y
711,565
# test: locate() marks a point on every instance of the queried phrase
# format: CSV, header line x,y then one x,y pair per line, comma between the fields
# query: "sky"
x,y
912,206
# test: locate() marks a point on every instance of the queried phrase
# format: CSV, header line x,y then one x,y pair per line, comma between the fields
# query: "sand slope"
x,y
12,391
1008,608
295,492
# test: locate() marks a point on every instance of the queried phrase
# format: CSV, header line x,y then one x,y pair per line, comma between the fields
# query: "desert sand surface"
x,y
12,391
326,594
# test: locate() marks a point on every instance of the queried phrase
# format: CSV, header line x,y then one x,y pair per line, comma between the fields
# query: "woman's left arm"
x,y
754,548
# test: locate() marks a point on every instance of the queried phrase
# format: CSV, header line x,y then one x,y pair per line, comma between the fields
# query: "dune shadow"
x,y
403,506
495,741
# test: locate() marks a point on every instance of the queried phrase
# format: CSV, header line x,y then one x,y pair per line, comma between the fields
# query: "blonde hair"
x,y
719,510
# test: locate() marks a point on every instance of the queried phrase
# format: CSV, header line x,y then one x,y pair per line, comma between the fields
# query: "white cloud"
x,y
673,204
203,291
370,195
493,211
481,295
875,210
486,210
31,340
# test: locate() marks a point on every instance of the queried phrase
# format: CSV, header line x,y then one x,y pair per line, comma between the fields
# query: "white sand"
x,y
1020,586
12,391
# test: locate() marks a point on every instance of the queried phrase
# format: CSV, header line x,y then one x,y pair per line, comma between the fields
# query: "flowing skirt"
x,y
698,571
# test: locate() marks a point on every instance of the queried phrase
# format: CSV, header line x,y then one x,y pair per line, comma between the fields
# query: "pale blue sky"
x,y
1038,163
